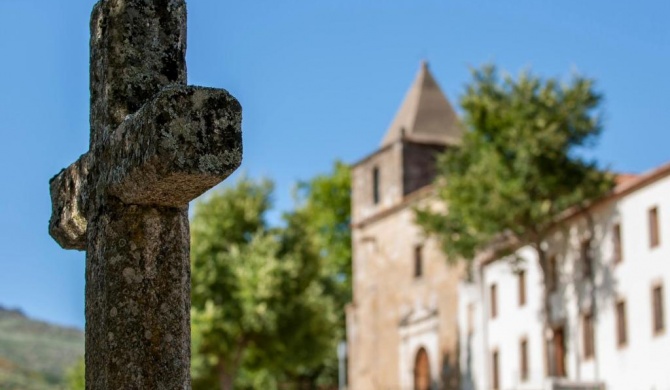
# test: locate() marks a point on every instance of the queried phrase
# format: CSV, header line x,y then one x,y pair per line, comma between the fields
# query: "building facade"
x,y
608,283
401,326
417,323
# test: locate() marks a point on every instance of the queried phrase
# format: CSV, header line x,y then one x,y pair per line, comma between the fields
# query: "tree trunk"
x,y
226,377
227,373
594,294
544,266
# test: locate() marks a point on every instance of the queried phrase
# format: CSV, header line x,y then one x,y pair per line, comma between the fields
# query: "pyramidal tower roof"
x,y
425,115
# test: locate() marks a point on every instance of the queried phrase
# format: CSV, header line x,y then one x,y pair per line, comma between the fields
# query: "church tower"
x,y
401,324
424,126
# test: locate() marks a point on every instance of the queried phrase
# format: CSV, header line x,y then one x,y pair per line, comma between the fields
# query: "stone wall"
x,y
385,322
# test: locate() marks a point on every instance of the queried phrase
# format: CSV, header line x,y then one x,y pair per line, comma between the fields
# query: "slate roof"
x,y
425,115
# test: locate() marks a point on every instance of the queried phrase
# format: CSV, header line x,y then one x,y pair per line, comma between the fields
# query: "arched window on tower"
x,y
375,185
418,261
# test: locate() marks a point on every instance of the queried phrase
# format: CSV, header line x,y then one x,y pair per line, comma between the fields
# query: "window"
x,y
496,370
375,185
558,341
654,234
621,332
552,274
616,243
588,335
522,288
418,261
585,255
494,301
523,364
658,312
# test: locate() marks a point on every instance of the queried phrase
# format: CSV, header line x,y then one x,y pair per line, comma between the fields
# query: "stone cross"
x,y
156,144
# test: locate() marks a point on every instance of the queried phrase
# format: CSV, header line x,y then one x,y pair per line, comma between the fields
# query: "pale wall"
x,y
643,363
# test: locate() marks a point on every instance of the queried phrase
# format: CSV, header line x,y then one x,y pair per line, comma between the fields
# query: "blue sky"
x,y
318,80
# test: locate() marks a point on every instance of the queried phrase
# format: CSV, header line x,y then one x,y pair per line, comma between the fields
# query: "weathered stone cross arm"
x,y
177,146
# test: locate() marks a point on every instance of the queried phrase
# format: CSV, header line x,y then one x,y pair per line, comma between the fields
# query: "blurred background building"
x,y
416,322
401,326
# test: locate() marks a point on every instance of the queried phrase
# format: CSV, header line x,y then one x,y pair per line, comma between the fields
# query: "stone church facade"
x,y
401,325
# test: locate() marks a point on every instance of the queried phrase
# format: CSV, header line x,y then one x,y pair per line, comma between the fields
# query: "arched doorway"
x,y
421,371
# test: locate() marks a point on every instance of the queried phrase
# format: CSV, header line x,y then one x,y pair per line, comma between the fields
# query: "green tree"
x,y
324,207
259,312
75,376
321,219
519,165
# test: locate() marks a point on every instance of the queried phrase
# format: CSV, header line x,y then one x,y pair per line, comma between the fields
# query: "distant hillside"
x,y
34,355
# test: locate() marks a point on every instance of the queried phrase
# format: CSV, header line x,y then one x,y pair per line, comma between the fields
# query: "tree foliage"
x,y
518,168
259,311
324,208
322,220
519,165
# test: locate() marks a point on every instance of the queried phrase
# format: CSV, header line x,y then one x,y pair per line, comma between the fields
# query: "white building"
x,y
608,314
